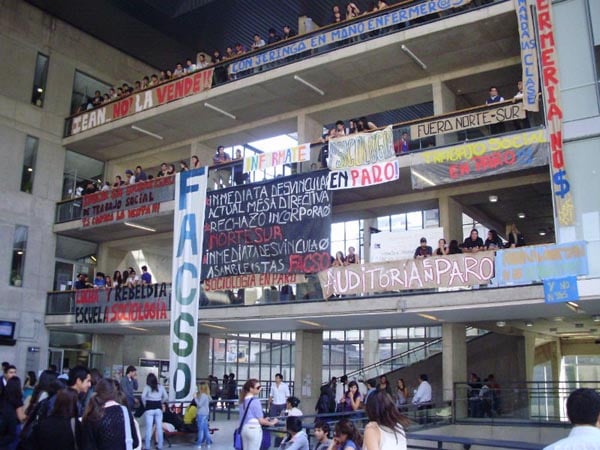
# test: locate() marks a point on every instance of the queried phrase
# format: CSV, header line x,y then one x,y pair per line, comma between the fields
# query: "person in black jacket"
x,y
61,429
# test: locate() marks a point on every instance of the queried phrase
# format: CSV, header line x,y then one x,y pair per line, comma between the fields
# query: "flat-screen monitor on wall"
x,y
7,329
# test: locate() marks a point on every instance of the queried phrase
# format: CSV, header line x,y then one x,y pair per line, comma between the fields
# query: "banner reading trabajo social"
x,y
278,226
127,202
435,272
473,160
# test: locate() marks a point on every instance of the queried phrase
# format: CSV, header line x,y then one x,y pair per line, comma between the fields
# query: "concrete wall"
x,y
25,31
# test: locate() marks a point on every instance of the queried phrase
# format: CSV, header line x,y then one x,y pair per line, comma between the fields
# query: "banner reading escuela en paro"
x,y
190,200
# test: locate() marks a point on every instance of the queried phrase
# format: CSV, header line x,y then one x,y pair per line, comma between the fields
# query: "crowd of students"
x,y
126,278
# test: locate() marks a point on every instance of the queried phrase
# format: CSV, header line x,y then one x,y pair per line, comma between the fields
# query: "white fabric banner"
x,y
190,202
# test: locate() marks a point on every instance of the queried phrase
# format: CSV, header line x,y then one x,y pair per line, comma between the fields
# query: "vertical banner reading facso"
x,y
563,199
529,61
190,199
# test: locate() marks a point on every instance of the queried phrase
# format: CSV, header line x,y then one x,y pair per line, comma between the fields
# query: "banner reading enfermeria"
x,y
190,199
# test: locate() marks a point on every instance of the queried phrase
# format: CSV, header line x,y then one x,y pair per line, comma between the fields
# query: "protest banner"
x,y
434,272
563,198
473,160
353,29
363,176
529,59
141,303
361,149
191,84
190,201
127,202
524,265
474,119
278,226
264,161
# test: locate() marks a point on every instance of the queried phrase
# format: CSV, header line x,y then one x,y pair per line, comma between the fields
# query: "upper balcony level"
x,y
374,63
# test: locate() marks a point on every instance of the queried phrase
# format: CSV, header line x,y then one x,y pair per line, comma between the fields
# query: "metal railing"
x,y
222,76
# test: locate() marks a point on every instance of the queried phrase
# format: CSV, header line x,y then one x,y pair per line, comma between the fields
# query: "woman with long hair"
x,y
29,385
60,429
117,279
152,397
401,393
352,400
385,430
251,415
203,401
104,419
346,436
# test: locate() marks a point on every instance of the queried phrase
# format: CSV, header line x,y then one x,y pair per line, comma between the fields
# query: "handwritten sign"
x,y
361,149
279,226
353,29
434,272
127,202
529,60
563,198
253,280
540,262
473,160
191,84
475,119
364,176
265,161
561,290
141,303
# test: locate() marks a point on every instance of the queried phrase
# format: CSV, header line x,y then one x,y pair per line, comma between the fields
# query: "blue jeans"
x,y
203,431
153,416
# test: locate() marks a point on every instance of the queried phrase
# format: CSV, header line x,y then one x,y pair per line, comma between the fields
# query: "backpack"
x,y
39,413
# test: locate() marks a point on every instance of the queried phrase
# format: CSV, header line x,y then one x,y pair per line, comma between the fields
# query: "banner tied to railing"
x,y
263,161
435,272
472,160
123,304
529,58
278,226
127,202
563,198
141,101
353,29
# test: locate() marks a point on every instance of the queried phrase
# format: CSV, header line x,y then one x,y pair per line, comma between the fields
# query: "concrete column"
x,y
529,355
308,368
450,218
444,101
555,360
371,348
309,130
203,152
454,365
367,224
203,357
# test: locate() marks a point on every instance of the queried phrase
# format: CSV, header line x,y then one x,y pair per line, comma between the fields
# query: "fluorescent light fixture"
x,y
308,322
529,323
573,306
210,325
521,215
428,316
30,169
219,110
93,258
20,252
493,198
425,179
137,328
501,323
542,232
140,227
40,90
415,58
149,133
310,85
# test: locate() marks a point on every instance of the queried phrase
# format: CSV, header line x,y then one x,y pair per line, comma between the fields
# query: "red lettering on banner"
x,y
85,296
309,263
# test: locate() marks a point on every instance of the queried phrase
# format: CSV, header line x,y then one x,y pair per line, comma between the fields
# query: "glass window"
x,y
18,257
79,169
31,146
84,90
398,222
414,220
39,80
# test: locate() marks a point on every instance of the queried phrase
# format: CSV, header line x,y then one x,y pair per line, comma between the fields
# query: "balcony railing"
x,y
325,39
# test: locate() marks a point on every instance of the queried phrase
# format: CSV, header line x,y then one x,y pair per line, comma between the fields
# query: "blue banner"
x,y
561,290
524,265
353,29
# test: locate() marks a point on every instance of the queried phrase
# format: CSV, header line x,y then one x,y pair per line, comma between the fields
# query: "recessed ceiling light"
x,y
501,323
493,198
542,232
529,323
521,215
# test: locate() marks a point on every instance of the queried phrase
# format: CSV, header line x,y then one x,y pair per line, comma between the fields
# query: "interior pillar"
x,y
444,101
450,219
454,366
308,373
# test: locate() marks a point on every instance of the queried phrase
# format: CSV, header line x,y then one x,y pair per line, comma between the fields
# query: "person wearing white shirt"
x,y
422,397
280,391
583,410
